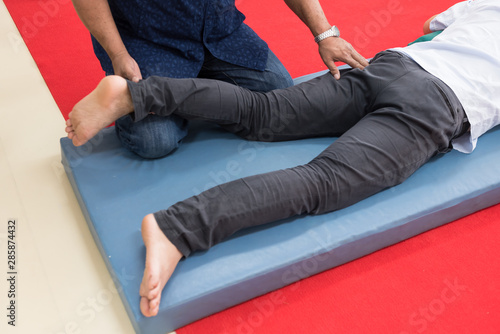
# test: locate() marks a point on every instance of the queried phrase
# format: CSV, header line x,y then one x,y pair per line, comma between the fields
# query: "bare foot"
x,y
161,259
109,101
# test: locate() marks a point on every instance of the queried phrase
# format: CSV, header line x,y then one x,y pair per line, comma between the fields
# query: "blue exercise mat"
x,y
116,189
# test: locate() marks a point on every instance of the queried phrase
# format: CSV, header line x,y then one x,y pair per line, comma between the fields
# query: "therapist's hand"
x,y
334,49
126,66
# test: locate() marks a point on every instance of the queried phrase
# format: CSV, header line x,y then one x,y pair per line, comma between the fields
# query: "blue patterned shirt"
x,y
169,37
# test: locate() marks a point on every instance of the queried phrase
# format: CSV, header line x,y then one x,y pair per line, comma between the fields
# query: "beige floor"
x,y
62,284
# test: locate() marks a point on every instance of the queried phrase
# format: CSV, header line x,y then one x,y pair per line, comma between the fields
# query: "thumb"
x,y
136,76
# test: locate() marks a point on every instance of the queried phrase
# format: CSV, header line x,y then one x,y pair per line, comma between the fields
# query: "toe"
x,y
145,307
142,290
153,293
154,306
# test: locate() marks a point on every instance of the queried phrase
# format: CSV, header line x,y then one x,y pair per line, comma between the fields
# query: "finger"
x,y
356,62
136,73
136,76
130,74
360,59
352,57
139,75
333,69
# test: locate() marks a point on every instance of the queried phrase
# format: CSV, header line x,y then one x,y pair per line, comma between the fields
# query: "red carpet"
x,y
444,281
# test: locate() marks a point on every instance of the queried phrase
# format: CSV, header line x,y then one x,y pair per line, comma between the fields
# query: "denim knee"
x,y
275,76
153,137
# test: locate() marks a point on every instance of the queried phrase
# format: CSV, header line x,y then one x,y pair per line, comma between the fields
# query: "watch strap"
x,y
332,32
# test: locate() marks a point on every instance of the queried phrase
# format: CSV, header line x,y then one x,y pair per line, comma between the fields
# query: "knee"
x,y
270,79
158,148
277,76
151,138
278,81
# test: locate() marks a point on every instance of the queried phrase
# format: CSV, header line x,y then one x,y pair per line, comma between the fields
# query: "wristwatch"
x,y
332,32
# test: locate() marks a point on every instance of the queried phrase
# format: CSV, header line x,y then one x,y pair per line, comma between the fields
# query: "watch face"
x,y
336,31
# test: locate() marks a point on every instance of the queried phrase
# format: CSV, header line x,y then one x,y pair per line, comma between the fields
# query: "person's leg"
x,y
380,151
155,137
320,107
275,76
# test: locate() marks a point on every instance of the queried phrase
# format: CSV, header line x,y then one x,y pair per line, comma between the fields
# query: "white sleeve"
x,y
443,20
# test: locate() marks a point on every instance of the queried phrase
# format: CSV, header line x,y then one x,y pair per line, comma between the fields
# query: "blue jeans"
x,y
156,136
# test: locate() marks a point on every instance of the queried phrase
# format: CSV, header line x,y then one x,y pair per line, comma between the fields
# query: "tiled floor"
x,y
61,282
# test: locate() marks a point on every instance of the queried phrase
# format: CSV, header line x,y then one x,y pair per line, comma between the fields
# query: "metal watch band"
x,y
332,32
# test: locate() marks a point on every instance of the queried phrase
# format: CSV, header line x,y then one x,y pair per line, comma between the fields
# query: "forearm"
x,y
427,24
311,13
96,16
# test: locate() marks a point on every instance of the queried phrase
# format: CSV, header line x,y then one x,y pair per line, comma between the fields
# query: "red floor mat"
x,y
444,281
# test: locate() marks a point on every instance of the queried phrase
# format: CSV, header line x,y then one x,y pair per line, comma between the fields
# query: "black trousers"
x,y
390,118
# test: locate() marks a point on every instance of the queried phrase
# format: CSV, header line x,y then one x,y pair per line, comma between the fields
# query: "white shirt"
x,y
466,56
